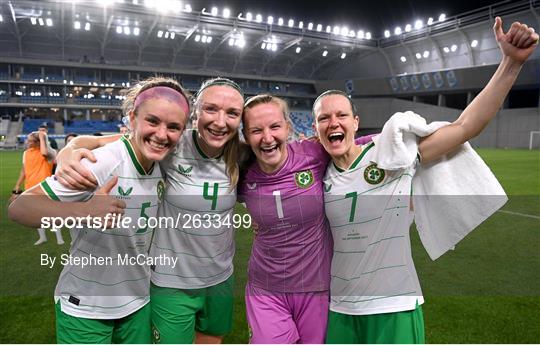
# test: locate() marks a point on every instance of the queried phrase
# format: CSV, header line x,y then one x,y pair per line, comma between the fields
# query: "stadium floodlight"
x,y
173,35
65,81
149,3
249,16
453,48
187,8
328,29
386,33
368,35
33,20
167,34
119,30
344,31
87,26
214,11
352,33
408,28
269,46
343,56
430,21
270,20
135,2
298,50
474,43
226,13
40,21
324,53
291,23
310,26
446,50
204,39
280,21
127,30
426,54
300,24
77,25
258,18
336,30
197,38
160,34
263,45
71,82
418,56
403,59
231,41
319,27
360,34
418,24
1,18
137,31
36,80
397,30
274,47
208,40
442,17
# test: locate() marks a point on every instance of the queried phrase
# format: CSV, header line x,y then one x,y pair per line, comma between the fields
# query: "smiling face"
x,y
266,131
156,128
219,112
335,124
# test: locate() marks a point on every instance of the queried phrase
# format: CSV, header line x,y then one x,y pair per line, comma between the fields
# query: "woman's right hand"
x,y
71,173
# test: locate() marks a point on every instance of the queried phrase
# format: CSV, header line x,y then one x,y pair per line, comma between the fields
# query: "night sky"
x,y
373,15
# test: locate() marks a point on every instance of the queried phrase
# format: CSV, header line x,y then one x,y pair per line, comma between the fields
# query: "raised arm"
x,y
516,46
70,172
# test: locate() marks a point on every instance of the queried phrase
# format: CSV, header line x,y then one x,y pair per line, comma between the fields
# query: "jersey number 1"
x,y
279,206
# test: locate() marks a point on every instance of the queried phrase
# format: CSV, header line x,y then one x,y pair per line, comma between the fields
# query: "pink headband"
x,y
166,92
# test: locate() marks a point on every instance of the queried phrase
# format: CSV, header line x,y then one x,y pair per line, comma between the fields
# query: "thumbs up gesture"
x,y
102,204
518,43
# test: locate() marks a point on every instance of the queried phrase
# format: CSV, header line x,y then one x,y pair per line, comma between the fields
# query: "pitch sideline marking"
x,y
520,214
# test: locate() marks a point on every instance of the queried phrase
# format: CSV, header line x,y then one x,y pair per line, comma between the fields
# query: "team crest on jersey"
x,y
184,170
327,187
304,179
373,175
160,190
123,192
156,335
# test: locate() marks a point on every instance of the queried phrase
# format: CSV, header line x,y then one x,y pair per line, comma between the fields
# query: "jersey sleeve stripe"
x,y
48,190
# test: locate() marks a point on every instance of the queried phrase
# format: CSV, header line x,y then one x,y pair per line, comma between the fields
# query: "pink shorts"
x,y
286,318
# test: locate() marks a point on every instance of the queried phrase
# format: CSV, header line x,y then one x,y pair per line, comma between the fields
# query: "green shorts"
x,y
177,313
405,327
132,329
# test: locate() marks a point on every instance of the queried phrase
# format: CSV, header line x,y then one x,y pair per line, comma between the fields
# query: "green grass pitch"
x,y
485,291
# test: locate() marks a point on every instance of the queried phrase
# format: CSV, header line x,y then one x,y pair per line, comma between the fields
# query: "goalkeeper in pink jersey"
x,y
289,269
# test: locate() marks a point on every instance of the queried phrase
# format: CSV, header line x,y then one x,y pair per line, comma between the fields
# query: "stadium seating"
x,y
302,122
31,125
91,126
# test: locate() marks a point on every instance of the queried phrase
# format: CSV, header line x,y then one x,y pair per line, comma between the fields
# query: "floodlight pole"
x,y
17,32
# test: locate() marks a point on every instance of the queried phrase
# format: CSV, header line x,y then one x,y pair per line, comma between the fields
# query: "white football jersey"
x,y
114,285
369,213
197,187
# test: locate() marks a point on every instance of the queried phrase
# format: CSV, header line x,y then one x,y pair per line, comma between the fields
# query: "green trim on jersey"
x,y
134,158
49,191
357,160
199,149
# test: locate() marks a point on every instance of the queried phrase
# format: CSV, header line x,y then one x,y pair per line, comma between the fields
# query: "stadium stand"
x,y
302,122
91,126
31,125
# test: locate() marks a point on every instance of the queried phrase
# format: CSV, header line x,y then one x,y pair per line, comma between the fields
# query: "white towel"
x,y
451,195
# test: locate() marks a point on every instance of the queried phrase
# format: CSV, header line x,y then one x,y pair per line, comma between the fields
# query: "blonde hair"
x,y
230,150
129,102
266,99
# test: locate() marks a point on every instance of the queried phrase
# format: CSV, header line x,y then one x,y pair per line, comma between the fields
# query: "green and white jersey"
x,y
107,275
197,188
369,213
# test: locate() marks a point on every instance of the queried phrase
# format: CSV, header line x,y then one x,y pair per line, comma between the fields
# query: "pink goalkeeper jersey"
x,y
293,248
